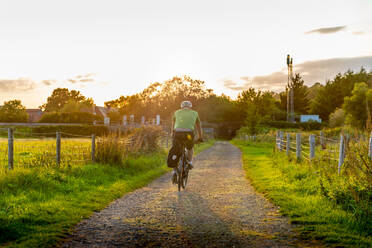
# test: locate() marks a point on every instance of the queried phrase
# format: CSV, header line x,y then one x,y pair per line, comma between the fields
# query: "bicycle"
x,y
182,171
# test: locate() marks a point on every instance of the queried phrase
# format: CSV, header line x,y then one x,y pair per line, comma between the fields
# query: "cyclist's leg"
x,y
190,153
177,140
190,148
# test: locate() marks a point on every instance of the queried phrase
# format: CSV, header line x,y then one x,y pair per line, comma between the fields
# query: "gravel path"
x,y
218,209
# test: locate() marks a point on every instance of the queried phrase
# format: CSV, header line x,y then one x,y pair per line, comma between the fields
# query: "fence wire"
x,y
326,149
40,149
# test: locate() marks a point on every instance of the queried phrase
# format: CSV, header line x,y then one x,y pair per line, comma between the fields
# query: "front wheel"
x,y
180,181
185,175
179,175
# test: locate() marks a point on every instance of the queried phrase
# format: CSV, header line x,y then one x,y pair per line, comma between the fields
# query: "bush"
x,y
13,111
71,117
114,149
280,124
73,129
337,118
310,125
352,190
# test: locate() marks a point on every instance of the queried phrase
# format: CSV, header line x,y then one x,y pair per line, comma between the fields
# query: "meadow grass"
x,y
296,189
40,205
30,153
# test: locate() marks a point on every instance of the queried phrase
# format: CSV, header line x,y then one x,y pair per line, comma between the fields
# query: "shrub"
x,y
72,129
353,188
310,125
13,111
114,148
71,117
337,118
280,124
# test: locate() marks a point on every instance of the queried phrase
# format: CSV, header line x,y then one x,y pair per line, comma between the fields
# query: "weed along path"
x,y
218,209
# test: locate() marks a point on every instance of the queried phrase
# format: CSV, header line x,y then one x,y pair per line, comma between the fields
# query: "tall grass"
x,y
31,153
115,148
352,189
326,206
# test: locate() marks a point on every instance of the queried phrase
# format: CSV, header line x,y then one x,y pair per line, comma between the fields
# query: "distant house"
x,y
34,115
102,112
306,118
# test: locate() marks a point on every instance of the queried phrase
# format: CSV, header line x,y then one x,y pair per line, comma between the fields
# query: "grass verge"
x,y
39,206
296,190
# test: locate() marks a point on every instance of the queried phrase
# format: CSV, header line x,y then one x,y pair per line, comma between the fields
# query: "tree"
x,y
62,96
74,106
13,111
253,119
300,92
355,106
219,109
337,118
162,98
332,95
313,90
264,102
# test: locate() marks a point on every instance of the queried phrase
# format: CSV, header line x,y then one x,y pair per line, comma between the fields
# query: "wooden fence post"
x,y
342,154
322,141
288,145
10,149
58,149
298,147
93,148
370,146
312,146
281,140
277,140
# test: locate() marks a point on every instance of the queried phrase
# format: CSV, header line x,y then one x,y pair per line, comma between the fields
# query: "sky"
x,y
107,48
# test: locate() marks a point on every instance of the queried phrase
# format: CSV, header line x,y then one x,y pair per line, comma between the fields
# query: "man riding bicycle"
x,y
184,122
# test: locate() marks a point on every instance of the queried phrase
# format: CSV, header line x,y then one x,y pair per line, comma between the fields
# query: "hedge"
x,y
72,117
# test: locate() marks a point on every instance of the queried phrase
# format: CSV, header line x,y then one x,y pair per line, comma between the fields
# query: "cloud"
x,y
20,84
228,83
48,82
73,81
311,71
328,30
87,78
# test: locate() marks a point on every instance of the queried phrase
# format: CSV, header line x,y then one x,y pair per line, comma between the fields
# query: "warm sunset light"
x,y
125,45
186,123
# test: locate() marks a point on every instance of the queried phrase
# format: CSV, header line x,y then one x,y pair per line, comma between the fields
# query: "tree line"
x,y
342,100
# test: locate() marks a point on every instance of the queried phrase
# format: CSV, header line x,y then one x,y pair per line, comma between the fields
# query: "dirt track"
x,y
218,209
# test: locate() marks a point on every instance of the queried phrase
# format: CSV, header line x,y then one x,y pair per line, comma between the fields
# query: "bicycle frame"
x,y
182,170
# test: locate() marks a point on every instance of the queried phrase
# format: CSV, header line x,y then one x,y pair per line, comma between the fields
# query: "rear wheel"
x,y
185,175
179,173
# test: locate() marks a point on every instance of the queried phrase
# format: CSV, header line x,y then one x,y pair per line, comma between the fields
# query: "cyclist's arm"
x,y
172,127
198,128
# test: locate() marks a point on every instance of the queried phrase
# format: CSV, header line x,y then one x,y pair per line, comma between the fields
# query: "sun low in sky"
x,y
110,48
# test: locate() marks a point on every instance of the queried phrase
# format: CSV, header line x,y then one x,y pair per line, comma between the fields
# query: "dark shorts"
x,y
184,138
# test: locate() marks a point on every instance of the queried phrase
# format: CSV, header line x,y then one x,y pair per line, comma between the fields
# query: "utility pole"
x,y
290,91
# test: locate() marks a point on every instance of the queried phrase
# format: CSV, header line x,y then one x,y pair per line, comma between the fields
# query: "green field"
x,y
40,204
296,188
29,153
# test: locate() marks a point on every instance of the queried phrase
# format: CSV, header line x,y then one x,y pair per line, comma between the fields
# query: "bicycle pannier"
x,y
174,156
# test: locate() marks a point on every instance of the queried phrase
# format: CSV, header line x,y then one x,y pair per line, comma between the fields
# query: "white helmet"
x,y
186,104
